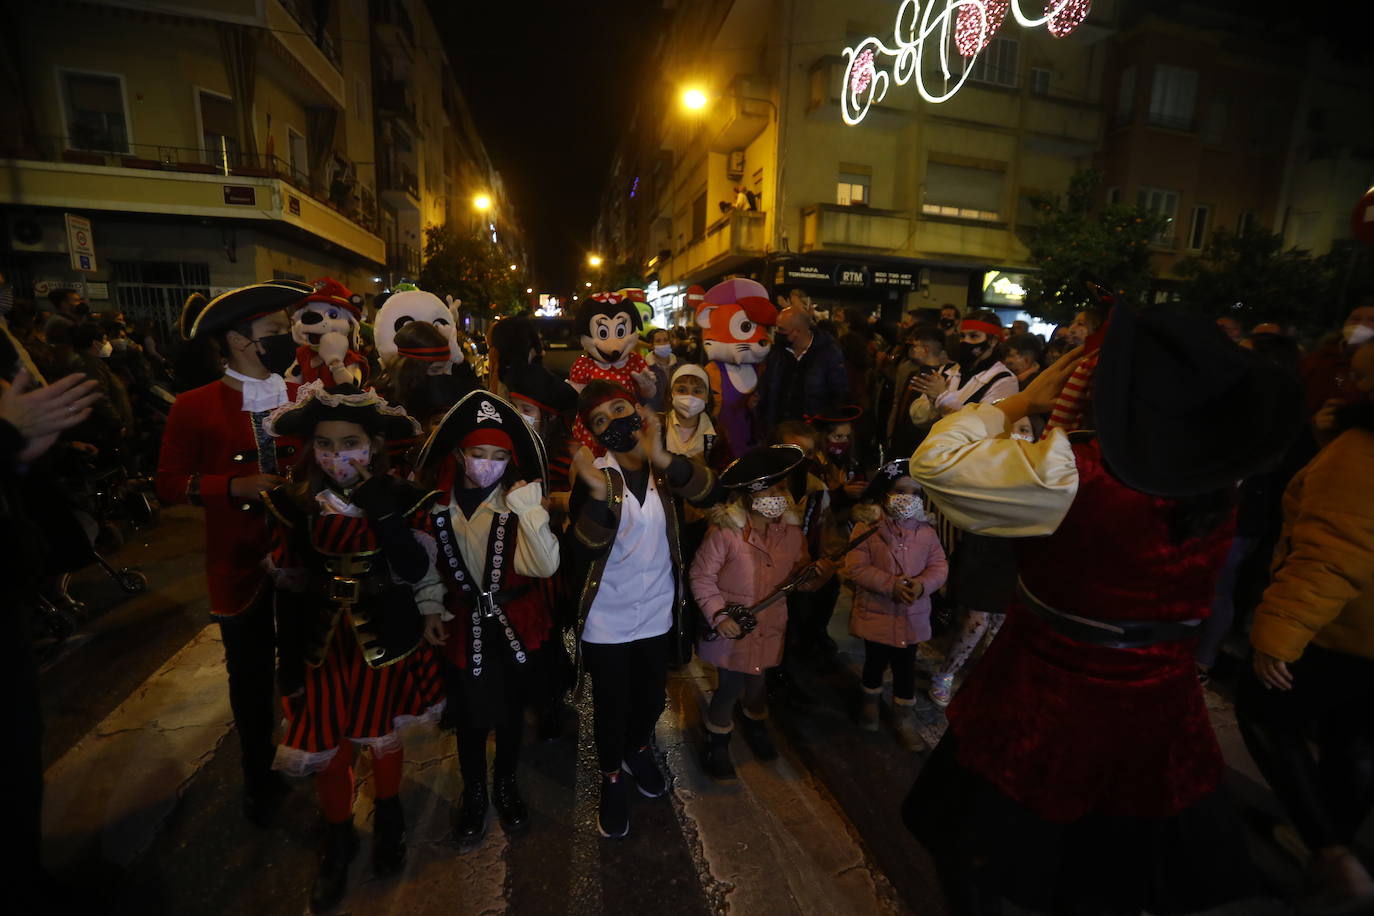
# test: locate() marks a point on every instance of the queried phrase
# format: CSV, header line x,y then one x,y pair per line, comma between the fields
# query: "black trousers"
x,y
250,656
629,684
878,657
1327,794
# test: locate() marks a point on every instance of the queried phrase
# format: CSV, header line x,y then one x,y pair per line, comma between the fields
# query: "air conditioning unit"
x,y
39,232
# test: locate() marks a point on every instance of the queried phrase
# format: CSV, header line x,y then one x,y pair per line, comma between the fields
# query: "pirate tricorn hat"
x,y
762,467
238,306
483,412
315,403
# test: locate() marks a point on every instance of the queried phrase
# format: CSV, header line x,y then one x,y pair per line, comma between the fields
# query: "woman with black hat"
x,y
1080,772
354,573
494,540
629,620
754,544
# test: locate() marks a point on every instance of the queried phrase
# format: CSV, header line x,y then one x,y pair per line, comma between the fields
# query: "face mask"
x,y
967,354
619,434
484,471
687,405
769,506
838,449
277,352
339,465
906,505
663,351
532,422
947,324
1356,334
106,349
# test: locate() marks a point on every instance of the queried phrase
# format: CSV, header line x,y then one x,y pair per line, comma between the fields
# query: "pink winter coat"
x,y
875,567
739,564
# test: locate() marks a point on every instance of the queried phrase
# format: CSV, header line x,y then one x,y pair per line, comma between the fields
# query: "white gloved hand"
x,y
647,382
526,497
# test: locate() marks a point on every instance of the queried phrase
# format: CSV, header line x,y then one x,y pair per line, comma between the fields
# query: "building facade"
x,y
216,144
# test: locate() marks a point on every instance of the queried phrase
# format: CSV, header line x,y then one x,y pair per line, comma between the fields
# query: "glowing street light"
x,y
513,267
594,260
529,289
482,202
588,285
693,99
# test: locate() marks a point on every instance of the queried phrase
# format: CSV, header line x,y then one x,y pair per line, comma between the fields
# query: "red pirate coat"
x,y
209,440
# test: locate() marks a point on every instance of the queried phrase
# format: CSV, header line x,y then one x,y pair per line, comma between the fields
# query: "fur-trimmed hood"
x,y
732,516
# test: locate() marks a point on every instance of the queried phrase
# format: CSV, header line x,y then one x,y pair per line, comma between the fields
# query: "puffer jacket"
x,y
876,565
740,564
1323,586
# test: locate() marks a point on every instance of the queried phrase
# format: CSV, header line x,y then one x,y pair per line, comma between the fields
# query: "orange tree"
x,y
465,264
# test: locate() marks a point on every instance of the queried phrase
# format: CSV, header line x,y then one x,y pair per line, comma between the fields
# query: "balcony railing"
x,y
303,11
396,177
835,226
350,199
735,237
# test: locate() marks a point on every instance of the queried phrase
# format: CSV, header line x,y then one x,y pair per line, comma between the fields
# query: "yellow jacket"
x,y
1323,586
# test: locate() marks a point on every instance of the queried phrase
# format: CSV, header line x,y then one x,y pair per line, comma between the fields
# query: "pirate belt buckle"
x,y
486,603
344,589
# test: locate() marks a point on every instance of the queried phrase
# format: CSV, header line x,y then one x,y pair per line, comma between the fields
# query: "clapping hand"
x,y
585,467
42,414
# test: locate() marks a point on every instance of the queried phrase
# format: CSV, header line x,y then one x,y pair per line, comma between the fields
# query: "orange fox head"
x,y
735,318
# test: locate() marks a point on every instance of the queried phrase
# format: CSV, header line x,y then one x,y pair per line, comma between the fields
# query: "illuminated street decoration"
x,y
949,29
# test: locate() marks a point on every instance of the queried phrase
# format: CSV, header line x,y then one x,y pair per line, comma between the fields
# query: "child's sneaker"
x,y
613,815
942,688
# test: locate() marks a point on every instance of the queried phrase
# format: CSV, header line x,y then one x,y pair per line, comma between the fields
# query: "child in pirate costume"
x,y
216,454
354,571
755,543
494,543
629,611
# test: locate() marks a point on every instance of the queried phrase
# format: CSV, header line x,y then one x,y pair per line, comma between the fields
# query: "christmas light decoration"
x,y
945,28
976,27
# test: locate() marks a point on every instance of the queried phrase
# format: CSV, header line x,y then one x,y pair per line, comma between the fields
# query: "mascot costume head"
x,y
410,303
610,325
736,320
325,327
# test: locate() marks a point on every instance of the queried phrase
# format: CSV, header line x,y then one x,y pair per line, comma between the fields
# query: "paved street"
x,y
142,800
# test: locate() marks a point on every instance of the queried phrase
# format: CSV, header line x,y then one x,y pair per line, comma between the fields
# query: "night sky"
x,y
551,86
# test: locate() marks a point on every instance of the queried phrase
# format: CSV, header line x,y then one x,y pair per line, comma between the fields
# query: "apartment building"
x,y
917,204
215,144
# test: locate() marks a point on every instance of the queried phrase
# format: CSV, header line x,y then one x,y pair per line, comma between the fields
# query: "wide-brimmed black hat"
x,y
847,413
762,467
315,403
540,387
231,309
482,410
1180,410
885,477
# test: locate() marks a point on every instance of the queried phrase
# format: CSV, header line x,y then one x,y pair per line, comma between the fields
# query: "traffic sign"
x,y
80,242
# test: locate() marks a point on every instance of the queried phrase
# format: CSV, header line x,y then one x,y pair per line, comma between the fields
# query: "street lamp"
x,y
512,267
588,284
529,289
482,202
594,260
694,98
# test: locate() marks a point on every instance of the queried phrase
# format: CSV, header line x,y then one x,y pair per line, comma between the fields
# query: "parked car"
x,y
562,341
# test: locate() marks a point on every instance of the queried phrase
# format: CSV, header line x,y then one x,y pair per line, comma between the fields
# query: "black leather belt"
x,y
1113,634
487,603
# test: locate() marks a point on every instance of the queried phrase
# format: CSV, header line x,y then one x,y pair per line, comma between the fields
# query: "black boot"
x,y
470,821
715,757
262,797
388,837
505,794
756,735
340,846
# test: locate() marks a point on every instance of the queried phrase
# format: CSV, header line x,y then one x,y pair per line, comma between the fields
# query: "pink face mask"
x,y
338,465
484,471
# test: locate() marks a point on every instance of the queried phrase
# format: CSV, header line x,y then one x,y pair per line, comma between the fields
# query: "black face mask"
x,y
277,352
619,434
967,354
947,324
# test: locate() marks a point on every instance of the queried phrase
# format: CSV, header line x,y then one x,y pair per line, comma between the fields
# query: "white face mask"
x,y
663,351
769,506
906,505
484,471
339,465
1357,334
688,405
106,349
1024,437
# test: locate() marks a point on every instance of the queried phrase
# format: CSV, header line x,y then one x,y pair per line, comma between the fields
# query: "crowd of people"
x,y
1060,540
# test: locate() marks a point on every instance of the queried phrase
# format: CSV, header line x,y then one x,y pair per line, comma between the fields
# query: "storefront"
x,y
839,284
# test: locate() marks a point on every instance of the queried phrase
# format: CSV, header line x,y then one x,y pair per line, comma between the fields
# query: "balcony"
x,y
399,184
396,99
836,227
741,115
392,22
733,239
310,52
189,182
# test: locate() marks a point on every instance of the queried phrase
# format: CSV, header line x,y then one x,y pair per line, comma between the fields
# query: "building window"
x,y
1125,96
996,65
852,189
1113,195
1197,232
1040,80
1161,203
963,192
296,157
1172,97
94,107
218,130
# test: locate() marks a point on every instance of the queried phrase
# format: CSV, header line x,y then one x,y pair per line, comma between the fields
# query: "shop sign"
x,y
851,275
806,273
905,279
1002,288
240,195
